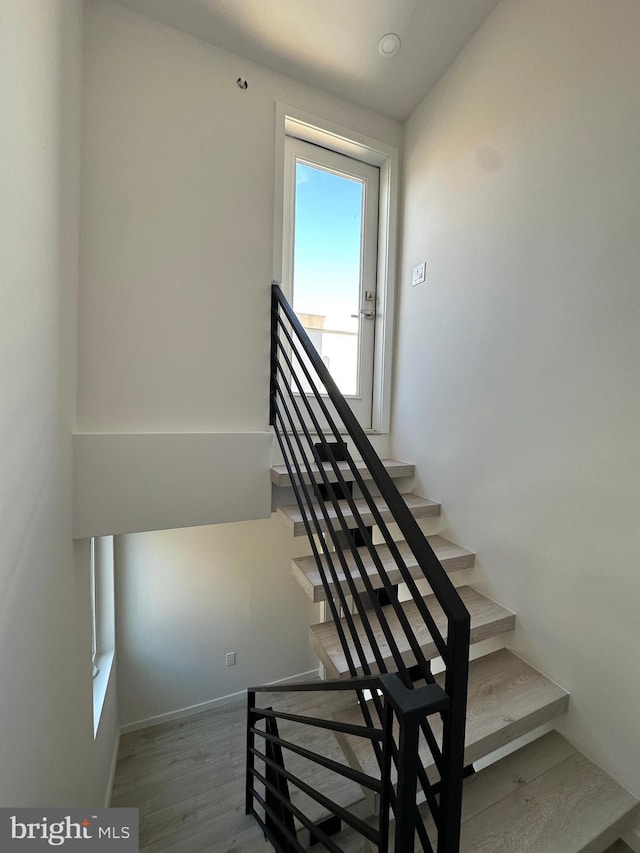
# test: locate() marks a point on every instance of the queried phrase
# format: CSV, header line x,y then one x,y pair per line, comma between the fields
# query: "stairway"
x,y
545,796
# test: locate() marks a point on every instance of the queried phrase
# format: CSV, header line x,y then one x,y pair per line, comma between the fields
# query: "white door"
x,y
330,262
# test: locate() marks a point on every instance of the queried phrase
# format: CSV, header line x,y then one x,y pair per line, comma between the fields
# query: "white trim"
x,y
385,321
315,129
291,121
191,710
112,772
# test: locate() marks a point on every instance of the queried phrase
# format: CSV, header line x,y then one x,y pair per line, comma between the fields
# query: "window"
x,y
94,638
336,200
330,261
101,565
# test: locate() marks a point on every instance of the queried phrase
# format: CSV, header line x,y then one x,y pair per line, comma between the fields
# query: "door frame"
x,y
301,125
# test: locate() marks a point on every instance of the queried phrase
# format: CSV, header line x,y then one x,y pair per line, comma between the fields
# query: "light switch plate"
x,y
419,273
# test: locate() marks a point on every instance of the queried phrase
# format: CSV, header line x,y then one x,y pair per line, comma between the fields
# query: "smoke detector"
x,y
389,45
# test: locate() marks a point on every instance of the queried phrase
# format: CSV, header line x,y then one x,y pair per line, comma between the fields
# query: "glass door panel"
x,y
331,260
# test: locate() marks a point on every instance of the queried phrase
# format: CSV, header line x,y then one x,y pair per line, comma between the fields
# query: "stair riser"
x,y
315,590
481,632
367,519
317,593
513,731
488,619
280,476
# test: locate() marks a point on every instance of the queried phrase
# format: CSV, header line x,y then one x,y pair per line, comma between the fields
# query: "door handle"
x,y
368,313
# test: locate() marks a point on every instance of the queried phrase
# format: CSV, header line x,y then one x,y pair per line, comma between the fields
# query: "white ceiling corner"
x,y
333,44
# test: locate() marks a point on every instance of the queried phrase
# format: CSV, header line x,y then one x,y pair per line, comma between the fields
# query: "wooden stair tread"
x,y
543,798
418,506
487,620
453,558
507,699
572,807
280,476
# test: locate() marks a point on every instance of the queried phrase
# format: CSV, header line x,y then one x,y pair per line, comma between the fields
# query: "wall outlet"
x,y
231,658
419,274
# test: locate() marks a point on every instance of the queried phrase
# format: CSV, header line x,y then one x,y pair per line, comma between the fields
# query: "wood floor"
x,y
187,780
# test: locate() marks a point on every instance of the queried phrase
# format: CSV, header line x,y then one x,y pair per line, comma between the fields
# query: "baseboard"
x,y
191,710
112,772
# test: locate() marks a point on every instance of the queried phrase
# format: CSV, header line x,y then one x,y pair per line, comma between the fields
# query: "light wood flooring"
x,y
187,779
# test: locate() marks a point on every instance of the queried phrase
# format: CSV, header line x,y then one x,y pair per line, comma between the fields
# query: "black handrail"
x,y
319,477
408,706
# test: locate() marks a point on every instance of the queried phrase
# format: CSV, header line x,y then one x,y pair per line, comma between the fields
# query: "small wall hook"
x,y
242,83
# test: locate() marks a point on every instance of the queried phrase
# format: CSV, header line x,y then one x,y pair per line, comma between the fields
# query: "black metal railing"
x,y
280,817
386,651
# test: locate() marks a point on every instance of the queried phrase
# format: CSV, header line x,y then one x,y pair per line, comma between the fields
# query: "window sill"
x,y
100,686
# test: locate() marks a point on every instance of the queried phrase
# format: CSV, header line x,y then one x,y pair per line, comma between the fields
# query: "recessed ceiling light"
x,y
389,45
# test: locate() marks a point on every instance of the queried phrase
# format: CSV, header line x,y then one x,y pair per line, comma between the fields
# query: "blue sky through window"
x,y
328,231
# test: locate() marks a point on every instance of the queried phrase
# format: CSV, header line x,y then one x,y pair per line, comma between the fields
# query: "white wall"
x,y
129,482
48,756
177,226
176,264
518,362
184,598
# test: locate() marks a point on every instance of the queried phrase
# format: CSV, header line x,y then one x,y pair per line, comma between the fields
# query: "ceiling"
x,y
333,44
